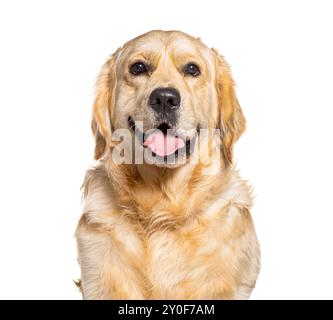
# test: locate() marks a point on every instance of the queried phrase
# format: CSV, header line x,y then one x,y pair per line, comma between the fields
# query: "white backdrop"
x,y
281,54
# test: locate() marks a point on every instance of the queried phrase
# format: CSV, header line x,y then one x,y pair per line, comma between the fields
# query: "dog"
x,y
167,227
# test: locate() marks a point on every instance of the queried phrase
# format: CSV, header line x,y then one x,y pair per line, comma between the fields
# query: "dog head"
x,y
173,86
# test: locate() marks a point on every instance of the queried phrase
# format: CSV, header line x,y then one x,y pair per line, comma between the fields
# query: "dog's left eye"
x,y
138,68
192,70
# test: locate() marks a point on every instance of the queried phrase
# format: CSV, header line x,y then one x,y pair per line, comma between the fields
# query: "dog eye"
x,y
138,68
192,70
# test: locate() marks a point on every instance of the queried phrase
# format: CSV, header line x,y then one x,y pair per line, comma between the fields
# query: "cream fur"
x,y
167,233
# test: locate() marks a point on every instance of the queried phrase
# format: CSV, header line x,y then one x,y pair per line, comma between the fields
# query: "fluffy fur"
x,y
150,232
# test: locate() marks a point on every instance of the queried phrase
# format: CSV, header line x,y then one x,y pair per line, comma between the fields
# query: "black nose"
x,y
164,100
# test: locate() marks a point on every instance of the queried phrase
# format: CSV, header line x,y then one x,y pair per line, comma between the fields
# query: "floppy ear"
x,y
103,105
231,120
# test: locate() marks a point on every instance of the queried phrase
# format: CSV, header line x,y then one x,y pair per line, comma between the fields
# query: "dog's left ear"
x,y
231,120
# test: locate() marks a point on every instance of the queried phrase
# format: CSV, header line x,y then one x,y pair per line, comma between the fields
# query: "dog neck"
x,y
159,195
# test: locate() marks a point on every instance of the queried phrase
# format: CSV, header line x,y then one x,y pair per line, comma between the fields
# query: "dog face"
x,y
173,85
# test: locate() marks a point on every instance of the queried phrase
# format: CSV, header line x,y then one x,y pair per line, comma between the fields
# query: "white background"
x,y
281,54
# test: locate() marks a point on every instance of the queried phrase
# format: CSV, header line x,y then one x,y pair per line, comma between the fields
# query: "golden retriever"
x,y
177,224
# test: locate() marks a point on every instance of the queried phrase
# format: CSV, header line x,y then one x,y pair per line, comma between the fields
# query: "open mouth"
x,y
164,142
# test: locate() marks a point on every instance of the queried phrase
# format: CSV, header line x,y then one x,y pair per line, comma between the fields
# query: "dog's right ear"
x,y
103,106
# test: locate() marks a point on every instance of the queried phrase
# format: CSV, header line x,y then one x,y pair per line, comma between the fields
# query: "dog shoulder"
x,y
97,191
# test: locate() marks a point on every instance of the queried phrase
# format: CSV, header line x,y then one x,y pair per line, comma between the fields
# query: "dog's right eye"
x,y
138,68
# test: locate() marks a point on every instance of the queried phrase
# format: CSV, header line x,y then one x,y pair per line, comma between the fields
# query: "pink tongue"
x,y
163,145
